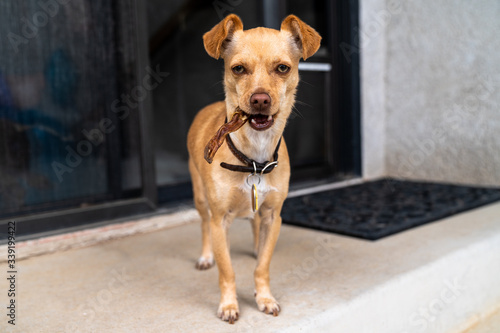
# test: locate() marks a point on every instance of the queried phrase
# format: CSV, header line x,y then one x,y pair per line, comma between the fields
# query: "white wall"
x,y
430,87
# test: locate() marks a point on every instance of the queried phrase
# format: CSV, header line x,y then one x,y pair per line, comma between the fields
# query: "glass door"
x,y
70,110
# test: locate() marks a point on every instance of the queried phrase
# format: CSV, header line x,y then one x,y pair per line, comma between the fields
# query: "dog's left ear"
x,y
305,37
217,39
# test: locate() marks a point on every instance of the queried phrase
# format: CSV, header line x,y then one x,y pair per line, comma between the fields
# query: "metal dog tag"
x,y
253,192
255,199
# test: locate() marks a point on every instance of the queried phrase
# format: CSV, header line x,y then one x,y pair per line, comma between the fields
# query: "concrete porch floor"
x,y
442,277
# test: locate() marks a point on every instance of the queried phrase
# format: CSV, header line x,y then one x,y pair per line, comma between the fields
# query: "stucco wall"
x,y
372,48
440,82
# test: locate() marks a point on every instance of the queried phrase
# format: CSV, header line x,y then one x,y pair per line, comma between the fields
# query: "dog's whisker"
x,y
296,112
304,104
307,83
216,83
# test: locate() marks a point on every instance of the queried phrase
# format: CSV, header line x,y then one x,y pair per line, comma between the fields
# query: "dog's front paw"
x,y
204,263
268,304
228,312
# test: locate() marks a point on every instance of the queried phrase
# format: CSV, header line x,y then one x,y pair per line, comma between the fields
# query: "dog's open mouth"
x,y
260,122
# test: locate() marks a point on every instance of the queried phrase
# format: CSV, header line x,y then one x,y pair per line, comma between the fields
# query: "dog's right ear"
x,y
216,40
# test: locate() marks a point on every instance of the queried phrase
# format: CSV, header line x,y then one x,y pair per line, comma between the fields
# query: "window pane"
x,y
60,143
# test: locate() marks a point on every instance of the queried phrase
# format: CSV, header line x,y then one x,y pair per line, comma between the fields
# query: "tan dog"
x,y
260,79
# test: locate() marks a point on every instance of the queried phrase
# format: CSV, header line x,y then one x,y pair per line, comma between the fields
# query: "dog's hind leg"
x,y
207,257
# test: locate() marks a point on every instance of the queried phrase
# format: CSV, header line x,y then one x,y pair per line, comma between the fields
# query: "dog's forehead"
x,y
263,42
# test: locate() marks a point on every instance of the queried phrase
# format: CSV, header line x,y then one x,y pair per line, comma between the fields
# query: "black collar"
x,y
251,165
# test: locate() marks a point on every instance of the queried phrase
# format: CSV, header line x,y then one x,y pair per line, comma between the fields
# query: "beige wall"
x,y
437,66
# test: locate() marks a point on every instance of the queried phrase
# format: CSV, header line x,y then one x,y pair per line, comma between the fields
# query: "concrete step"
x,y
491,324
442,277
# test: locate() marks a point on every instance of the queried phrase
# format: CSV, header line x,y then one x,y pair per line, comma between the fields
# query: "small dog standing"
x,y
260,81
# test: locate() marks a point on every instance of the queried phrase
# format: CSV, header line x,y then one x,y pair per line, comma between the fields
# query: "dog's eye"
x,y
283,68
238,69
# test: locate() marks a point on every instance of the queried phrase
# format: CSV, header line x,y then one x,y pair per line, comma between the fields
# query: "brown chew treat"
x,y
238,119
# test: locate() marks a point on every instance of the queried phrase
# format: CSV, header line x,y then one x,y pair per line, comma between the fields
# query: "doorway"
x,y
323,131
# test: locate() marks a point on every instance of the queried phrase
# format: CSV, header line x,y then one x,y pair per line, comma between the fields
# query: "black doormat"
x,y
381,208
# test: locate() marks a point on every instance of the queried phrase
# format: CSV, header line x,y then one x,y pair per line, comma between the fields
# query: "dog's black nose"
x,y
260,102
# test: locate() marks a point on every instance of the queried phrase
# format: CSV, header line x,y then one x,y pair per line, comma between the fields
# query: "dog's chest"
x,y
238,195
250,198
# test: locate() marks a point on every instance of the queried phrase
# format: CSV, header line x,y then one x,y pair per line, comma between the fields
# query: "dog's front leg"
x,y
269,231
228,307
256,231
